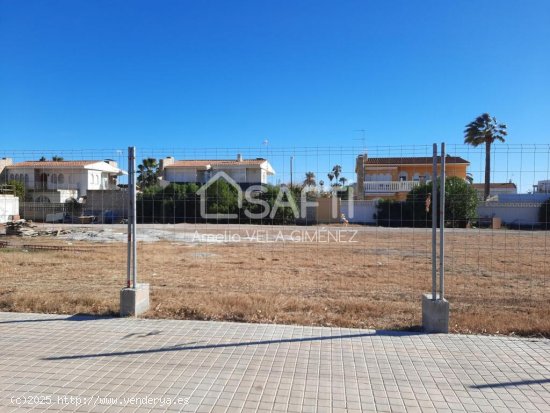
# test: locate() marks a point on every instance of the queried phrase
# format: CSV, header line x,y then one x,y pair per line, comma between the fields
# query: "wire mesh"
x,y
232,246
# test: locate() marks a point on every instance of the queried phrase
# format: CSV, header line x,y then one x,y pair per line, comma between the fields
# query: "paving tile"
x,y
252,367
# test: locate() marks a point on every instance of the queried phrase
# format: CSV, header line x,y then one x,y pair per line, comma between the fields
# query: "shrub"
x,y
180,203
18,189
460,206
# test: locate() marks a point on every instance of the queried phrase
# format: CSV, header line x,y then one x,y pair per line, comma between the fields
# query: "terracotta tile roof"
x,y
413,160
215,162
51,164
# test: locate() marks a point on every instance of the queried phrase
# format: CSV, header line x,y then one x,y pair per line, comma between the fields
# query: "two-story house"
x,y
245,172
57,181
393,178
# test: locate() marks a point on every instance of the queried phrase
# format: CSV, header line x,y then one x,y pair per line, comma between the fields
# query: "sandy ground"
x,y
496,280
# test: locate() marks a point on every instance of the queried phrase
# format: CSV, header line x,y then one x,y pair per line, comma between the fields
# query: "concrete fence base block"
x,y
435,314
134,301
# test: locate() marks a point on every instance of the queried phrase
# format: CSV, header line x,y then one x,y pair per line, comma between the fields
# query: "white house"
x,y
56,181
245,172
542,187
496,189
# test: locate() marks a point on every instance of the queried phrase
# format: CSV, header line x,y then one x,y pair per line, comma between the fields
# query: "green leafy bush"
x,y
460,206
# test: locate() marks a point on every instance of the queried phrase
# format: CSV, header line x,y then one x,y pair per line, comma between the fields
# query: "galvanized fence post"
x,y
442,226
434,222
132,219
134,299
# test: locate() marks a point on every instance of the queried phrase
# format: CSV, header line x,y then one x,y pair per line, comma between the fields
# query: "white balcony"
x,y
380,187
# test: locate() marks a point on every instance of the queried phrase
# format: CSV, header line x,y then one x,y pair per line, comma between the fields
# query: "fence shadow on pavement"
x,y
75,317
191,346
511,384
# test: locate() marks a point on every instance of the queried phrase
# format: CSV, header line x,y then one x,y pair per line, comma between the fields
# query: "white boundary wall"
x,y
9,206
363,211
519,213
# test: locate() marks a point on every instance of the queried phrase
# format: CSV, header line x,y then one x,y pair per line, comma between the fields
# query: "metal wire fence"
x,y
309,235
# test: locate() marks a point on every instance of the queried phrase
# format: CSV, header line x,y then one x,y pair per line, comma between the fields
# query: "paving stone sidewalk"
x,y
53,362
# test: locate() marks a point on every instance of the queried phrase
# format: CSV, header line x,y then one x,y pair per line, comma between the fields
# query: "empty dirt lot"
x,y
496,280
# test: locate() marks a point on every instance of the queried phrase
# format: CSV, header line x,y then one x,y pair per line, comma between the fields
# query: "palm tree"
x,y
310,179
322,185
485,130
147,173
336,171
343,181
330,176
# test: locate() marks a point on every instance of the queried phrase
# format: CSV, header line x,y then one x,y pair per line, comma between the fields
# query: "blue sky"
x,y
227,74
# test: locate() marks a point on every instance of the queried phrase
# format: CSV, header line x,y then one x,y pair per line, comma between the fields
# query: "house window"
x,y
54,178
12,177
43,180
27,179
61,179
17,177
403,176
43,199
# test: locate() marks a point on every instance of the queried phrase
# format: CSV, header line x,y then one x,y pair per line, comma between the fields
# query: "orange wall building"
x,y
393,178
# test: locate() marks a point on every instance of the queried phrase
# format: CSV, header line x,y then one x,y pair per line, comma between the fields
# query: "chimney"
x,y
360,171
169,160
4,162
239,157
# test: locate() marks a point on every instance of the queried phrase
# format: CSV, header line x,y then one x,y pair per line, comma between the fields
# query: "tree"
x,y
485,129
42,159
221,198
173,204
18,189
56,158
147,173
322,185
460,202
336,171
330,177
310,179
343,181
460,206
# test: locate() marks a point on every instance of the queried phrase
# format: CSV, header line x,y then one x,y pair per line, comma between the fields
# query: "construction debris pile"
x,y
23,228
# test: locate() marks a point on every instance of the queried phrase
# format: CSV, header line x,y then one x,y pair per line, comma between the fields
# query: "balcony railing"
x,y
389,186
45,186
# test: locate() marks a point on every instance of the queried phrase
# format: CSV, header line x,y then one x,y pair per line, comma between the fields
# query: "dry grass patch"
x,y
496,282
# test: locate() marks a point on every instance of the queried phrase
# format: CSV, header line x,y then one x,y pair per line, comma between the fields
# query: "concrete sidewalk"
x,y
52,362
